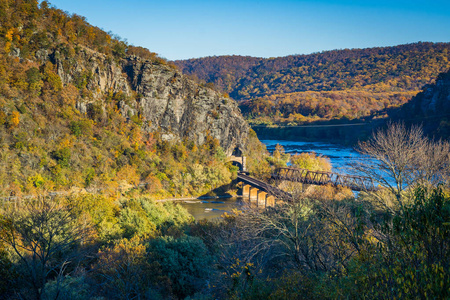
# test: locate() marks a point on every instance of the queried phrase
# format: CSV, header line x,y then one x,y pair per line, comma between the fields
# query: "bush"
x,y
7,275
311,161
62,156
413,257
185,260
67,288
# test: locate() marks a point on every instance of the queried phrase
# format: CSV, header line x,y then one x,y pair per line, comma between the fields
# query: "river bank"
x,y
195,198
344,134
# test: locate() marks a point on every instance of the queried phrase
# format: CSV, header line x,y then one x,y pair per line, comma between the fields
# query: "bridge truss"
x,y
356,183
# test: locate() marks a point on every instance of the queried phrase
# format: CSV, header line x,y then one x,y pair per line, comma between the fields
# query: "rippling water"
x,y
339,157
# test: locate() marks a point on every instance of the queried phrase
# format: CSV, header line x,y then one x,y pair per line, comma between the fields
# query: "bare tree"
x,y
392,157
434,164
290,230
44,234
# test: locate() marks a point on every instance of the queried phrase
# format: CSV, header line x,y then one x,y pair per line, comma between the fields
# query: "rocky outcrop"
x,y
167,101
94,71
179,108
435,98
430,108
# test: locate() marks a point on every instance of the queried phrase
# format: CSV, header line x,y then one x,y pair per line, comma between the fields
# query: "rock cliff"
x,y
434,99
430,108
166,101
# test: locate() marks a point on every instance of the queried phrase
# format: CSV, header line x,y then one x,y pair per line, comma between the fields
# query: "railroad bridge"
x,y
262,194
355,183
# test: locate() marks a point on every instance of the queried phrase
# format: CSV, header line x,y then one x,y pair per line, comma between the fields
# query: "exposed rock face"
x,y
167,101
101,74
430,108
435,98
180,108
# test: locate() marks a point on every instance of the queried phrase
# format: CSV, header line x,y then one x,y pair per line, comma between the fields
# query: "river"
x,y
339,157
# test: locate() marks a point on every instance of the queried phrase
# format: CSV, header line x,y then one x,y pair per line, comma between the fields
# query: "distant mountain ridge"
x,y
331,85
400,68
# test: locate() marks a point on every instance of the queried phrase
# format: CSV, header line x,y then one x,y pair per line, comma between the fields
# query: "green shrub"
x,y
185,260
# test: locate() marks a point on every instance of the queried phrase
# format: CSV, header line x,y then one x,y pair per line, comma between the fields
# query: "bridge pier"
x,y
246,191
259,193
254,195
270,201
261,199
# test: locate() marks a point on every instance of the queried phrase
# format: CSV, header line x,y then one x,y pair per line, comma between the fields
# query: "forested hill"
x,y
400,68
223,71
81,108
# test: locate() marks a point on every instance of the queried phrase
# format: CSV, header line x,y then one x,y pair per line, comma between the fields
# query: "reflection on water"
x,y
210,209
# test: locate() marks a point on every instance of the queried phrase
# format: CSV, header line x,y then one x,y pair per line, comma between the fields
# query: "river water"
x,y
339,157
211,209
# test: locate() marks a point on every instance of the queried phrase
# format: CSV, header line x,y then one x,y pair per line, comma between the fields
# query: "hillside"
x,y
339,84
80,108
400,68
306,107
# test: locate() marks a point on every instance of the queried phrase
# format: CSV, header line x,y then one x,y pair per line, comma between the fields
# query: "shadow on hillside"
x,y
224,191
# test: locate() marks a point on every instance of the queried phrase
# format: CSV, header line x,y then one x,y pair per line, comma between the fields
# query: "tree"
x,y
44,235
14,119
8,276
308,235
411,258
185,261
311,162
434,164
400,158
392,156
123,270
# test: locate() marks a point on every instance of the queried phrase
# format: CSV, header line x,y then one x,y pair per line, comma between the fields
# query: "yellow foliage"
x,y
329,192
14,119
311,161
153,184
69,95
9,38
67,142
129,174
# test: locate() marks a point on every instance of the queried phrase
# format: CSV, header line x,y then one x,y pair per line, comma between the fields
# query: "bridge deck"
x,y
356,183
270,189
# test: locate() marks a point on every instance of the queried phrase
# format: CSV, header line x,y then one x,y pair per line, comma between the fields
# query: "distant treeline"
x,y
430,109
400,68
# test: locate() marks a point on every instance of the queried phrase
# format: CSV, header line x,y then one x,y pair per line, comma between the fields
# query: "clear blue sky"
x,y
181,29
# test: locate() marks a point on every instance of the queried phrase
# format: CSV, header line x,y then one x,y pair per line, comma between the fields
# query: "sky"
x,y
182,29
